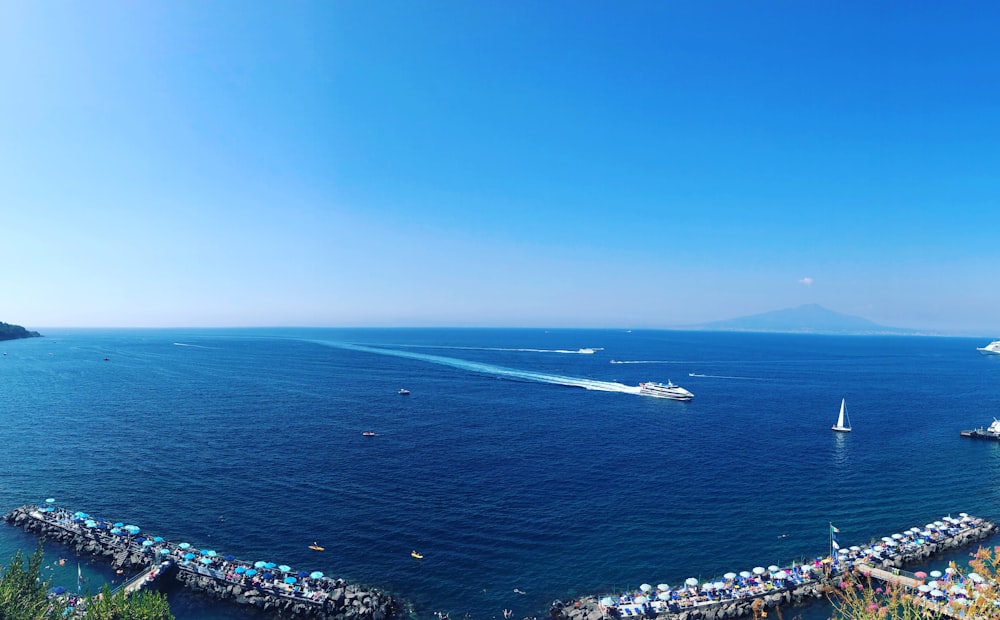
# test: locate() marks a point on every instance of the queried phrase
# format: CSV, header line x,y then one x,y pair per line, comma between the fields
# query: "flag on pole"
x,y
834,530
835,545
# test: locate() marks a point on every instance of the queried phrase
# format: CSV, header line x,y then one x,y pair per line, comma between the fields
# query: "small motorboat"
x,y
315,546
404,391
368,433
414,554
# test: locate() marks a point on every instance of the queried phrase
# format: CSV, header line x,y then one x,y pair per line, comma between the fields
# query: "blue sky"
x,y
555,164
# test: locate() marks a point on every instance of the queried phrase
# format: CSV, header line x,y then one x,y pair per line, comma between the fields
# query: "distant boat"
x,y
660,390
416,555
315,546
992,348
843,424
993,432
368,433
404,391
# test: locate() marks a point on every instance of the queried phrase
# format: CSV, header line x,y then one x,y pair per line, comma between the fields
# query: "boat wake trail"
x,y
694,374
580,351
647,362
490,369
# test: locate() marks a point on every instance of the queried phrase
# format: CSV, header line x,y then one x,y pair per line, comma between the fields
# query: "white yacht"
x,y
992,348
669,390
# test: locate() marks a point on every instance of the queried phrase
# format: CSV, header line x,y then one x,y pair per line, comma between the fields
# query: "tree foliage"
x,y
24,595
859,598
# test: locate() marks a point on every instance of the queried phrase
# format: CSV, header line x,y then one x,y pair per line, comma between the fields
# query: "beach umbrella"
x,y
957,589
641,599
745,574
963,514
303,573
164,551
975,577
119,524
645,587
935,573
290,579
240,570
50,500
691,581
189,556
259,564
920,574
842,551
206,560
897,537
81,515
316,575
211,553
708,585
855,548
719,585
250,572
933,584
58,590
773,568
184,545
949,570
663,596
781,574
229,558
924,587
284,568
158,539
90,523
663,586
759,570
937,593
147,543
267,576
270,565
729,576
607,600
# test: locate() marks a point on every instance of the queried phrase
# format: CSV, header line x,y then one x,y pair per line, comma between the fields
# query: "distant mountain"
x,y
13,332
807,319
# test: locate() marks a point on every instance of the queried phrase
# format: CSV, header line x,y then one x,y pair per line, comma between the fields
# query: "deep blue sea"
x,y
515,462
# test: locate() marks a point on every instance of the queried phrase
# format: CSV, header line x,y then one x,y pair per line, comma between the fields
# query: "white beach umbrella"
x,y
963,514
663,586
645,587
924,587
949,570
843,551
729,576
759,570
641,599
937,593
691,581
745,574
935,573
878,548
886,539
855,548
933,584
781,574
897,537
956,589
607,600
773,568
663,596
975,577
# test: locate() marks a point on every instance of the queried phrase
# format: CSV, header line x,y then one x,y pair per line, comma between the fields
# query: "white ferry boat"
x,y
992,348
668,390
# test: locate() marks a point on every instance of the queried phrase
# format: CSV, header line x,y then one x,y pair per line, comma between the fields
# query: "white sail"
x,y
843,421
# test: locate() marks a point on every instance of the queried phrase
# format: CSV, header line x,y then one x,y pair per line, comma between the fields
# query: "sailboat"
x,y
843,424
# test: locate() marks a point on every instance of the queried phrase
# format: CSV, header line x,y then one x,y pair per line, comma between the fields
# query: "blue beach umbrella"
x,y
206,560
267,576
90,523
81,515
58,590
284,568
316,574
251,572
132,529
303,573
290,579
229,558
119,524
189,556
211,553
240,570
147,543
50,500
259,564
164,551
184,545
157,539
139,539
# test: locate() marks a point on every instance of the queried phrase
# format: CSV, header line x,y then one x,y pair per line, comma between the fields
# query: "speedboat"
x,y
404,392
417,556
992,348
368,433
668,390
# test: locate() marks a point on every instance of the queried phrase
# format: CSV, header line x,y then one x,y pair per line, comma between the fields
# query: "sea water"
x,y
516,463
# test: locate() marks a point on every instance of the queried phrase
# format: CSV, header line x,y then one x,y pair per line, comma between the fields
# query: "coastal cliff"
x,y
13,332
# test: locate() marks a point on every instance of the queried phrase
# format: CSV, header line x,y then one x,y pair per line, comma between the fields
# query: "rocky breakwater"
x,y
266,587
